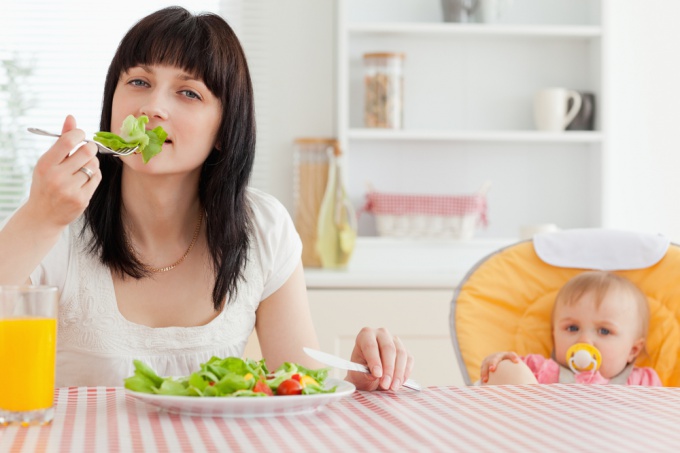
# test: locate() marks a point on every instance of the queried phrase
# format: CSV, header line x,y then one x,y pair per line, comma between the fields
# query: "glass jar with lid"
x,y
383,90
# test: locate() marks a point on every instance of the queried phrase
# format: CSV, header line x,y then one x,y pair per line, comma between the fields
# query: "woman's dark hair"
x,y
206,47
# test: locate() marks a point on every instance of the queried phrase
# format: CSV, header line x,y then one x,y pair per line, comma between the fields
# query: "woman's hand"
x,y
385,356
60,192
490,363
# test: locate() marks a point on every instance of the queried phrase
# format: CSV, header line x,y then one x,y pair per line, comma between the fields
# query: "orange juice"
x,y
27,352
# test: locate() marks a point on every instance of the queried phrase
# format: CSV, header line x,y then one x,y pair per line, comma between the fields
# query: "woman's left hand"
x,y
386,357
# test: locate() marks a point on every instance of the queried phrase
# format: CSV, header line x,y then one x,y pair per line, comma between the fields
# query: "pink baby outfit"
x,y
547,371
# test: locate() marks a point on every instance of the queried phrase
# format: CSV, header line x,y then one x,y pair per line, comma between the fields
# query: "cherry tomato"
x,y
296,376
262,387
289,387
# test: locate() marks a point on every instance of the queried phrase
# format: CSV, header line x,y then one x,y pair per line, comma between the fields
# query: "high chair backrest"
x,y
505,302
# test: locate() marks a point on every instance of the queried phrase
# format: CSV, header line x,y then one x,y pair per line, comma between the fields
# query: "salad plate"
x,y
246,406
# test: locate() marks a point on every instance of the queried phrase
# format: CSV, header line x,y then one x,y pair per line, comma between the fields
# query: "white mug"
x,y
550,108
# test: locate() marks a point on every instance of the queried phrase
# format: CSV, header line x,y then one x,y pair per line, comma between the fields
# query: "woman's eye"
x,y
605,331
138,83
191,94
572,328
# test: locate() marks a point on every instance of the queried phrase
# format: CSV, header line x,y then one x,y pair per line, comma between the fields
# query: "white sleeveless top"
x,y
96,344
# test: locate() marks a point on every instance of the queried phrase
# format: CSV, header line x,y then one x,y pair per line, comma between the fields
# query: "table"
x,y
559,417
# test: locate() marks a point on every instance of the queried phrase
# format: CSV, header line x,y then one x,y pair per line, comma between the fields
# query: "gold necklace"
x,y
157,270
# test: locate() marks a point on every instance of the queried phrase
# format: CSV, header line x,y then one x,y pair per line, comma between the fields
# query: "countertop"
x,y
406,263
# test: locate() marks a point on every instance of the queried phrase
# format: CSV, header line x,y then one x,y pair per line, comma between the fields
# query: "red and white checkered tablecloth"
x,y
506,418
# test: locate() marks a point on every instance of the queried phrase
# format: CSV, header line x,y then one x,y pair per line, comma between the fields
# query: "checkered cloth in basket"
x,y
427,215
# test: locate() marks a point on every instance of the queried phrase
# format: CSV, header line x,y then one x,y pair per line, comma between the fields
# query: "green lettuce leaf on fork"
x,y
133,133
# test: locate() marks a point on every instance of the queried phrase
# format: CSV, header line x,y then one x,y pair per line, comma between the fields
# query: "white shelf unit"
x,y
468,115
471,29
366,134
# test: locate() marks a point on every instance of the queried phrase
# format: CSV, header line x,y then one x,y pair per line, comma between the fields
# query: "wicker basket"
x,y
441,216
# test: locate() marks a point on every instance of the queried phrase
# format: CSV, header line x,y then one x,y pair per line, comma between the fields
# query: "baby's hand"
x,y
490,363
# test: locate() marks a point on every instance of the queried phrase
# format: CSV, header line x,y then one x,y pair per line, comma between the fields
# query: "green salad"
x,y
133,133
232,376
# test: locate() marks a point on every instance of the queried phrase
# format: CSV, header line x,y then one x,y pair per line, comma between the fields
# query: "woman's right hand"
x,y
60,192
490,363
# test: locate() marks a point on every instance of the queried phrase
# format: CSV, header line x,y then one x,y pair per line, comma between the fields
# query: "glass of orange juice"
x,y
28,344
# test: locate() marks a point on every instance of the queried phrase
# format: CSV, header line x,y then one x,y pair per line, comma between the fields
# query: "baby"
x,y
602,310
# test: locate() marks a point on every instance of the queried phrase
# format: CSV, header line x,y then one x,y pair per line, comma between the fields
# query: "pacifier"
x,y
583,357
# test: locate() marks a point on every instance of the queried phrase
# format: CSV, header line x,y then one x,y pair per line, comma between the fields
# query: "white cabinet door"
x,y
419,317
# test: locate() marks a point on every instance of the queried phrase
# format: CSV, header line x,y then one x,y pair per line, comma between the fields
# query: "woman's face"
x,y
179,103
613,328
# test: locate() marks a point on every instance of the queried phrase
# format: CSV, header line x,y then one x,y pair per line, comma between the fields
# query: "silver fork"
x,y
102,149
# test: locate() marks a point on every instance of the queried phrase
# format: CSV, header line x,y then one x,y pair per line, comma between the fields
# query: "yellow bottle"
x,y
336,228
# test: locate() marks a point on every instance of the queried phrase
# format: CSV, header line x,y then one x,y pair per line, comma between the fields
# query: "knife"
x,y
337,362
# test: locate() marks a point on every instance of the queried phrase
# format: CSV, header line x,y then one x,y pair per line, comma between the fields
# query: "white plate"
x,y
246,406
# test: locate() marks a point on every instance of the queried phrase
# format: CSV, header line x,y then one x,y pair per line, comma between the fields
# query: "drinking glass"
x,y
28,341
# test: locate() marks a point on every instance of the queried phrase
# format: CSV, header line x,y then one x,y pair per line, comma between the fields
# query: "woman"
x,y
173,261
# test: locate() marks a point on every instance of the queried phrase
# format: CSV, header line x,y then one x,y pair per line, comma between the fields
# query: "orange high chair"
x,y
504,303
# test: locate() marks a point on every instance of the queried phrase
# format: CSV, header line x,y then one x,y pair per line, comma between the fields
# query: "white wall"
x,y
643,97
299,85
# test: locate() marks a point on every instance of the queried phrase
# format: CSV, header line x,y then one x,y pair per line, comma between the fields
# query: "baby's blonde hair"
x,y
599,283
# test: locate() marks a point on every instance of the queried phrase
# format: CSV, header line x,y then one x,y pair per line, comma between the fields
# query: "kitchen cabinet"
x,y
419,317
468,108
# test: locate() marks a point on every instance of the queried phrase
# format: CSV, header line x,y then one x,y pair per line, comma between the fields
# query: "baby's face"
x,y
613,328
